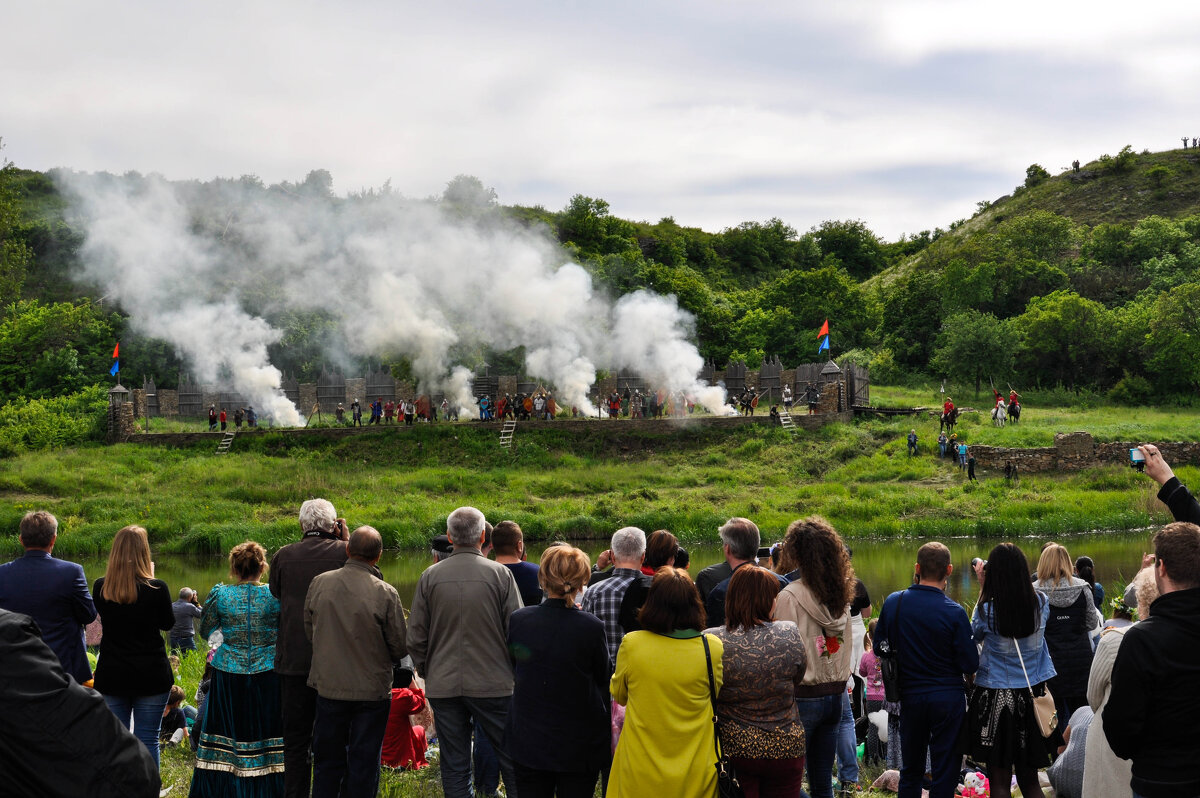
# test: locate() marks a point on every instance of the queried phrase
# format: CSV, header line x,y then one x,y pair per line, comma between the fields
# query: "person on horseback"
x,y
949,415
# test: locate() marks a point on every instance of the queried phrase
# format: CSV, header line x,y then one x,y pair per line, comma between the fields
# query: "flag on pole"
x,y
116,367
823,331
824,345
117,350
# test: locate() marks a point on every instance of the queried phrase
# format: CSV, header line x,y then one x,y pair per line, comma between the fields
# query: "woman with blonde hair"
x,y
662,677
819,604
241,733
1072,618
133,673
558,726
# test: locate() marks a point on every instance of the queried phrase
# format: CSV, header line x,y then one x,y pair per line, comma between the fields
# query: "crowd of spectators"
x,y
625,674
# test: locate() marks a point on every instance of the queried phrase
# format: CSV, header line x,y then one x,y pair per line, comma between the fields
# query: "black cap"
x,y
441,544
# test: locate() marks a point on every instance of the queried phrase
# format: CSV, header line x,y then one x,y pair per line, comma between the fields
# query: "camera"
x,y
764,552
1137,459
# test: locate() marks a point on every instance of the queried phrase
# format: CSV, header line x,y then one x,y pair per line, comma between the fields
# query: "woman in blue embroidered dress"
x,y
241,740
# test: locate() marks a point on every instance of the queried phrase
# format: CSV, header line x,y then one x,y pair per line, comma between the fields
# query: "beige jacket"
x,y
356,624
827,670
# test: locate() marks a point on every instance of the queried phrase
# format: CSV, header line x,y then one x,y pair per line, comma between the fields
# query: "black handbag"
x,y
727,782
889,661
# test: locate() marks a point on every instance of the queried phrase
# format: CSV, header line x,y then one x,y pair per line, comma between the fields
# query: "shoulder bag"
x,y
889,659
727,782
1043,705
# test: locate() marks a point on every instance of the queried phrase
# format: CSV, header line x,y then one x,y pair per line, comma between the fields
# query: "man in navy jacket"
x,y
932,637
51,591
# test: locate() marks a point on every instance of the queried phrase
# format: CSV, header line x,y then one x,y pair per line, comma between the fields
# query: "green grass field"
x,y
559,484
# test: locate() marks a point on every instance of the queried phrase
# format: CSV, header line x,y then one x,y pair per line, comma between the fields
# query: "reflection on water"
x,y
883,565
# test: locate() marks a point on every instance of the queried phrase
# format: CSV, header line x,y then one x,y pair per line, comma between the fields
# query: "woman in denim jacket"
x,y
1002,725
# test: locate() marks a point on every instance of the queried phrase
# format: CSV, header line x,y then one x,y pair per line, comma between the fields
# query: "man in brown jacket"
x,y
356,624
457,634
323,548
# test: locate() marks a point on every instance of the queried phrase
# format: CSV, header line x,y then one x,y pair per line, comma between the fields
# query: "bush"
x,y
1131,390
1035,174
1158,174
53,423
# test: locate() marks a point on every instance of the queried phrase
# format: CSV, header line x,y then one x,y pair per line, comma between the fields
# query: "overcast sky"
x,y
901,113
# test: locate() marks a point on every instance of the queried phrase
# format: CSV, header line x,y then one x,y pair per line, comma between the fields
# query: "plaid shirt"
x,y
604,601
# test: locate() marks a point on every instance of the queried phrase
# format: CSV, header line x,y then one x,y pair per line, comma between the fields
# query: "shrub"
x,y
52,423
1035,174
1158,174
1131,390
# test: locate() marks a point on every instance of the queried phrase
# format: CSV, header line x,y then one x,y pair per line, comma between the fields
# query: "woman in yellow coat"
x,y
666,747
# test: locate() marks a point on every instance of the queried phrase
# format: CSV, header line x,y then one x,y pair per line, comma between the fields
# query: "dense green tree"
x,y
49,350
852,243
1035,174
910,318
468,191
1063,339
974,345
755,249
14,251
1173,340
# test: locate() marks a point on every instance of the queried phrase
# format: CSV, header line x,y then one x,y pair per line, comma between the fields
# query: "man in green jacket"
x,y
356,624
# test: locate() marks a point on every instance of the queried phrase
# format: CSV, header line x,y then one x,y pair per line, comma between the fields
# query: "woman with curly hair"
x,y
819,604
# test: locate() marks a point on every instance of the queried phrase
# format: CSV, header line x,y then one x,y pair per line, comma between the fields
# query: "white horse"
x,y
1000,414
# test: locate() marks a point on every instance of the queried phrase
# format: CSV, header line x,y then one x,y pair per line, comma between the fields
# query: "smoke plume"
x,y
204,266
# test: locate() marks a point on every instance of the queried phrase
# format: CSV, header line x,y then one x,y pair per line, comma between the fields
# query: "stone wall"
x,y
1075,451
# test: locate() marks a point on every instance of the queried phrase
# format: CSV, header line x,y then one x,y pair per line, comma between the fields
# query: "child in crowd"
x,y
174,723
869,669
404,744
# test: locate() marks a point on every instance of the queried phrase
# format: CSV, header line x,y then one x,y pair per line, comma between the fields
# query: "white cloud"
x,y
708,111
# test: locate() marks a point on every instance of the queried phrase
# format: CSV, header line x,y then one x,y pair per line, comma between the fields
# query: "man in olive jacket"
x,y
356,624
457,634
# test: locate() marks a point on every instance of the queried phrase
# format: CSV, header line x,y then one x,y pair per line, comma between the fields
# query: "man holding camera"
x,y
321,549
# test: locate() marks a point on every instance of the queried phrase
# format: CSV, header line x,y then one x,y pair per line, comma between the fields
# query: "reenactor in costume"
x,y
813,397
635,405
340,413
614,404
539,407
503,406
787,398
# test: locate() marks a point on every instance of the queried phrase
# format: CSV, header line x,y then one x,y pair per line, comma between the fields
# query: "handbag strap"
x,y
1021,659
712,696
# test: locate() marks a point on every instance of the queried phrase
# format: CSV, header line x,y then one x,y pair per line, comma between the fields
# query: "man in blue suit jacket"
x,y
53,592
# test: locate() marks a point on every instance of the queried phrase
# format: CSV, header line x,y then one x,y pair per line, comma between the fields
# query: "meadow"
x,y
582,485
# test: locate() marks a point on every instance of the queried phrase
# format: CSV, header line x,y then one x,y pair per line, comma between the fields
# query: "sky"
x,y
903,114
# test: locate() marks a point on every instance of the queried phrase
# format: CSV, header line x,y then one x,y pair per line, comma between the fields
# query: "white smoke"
x,y
399,277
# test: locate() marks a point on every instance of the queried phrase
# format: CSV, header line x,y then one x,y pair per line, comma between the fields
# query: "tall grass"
x,y
560,484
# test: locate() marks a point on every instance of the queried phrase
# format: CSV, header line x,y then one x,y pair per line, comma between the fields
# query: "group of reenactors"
x,y
404,411
538,405
246,414
651,404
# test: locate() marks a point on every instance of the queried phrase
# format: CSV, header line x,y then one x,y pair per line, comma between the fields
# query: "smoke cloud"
x,y
203,266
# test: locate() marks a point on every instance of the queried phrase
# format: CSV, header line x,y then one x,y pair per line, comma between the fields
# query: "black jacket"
x,y
559,719
1155,697
58,738
1179,501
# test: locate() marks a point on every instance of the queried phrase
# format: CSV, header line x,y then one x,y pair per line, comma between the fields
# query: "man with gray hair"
x,y
293,568
53,592
183,634
740,539
457,636
603,599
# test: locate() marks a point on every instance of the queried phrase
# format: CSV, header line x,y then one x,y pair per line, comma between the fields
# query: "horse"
x,y
948,420
1014,412
999,414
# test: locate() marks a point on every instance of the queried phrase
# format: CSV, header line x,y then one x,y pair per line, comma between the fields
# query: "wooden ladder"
x,y
226,442
785,420
506,434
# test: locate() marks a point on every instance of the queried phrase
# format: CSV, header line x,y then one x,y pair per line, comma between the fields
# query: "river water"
x,y
883,565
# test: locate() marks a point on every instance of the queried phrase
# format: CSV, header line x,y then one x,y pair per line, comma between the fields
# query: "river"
x,y
883,565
